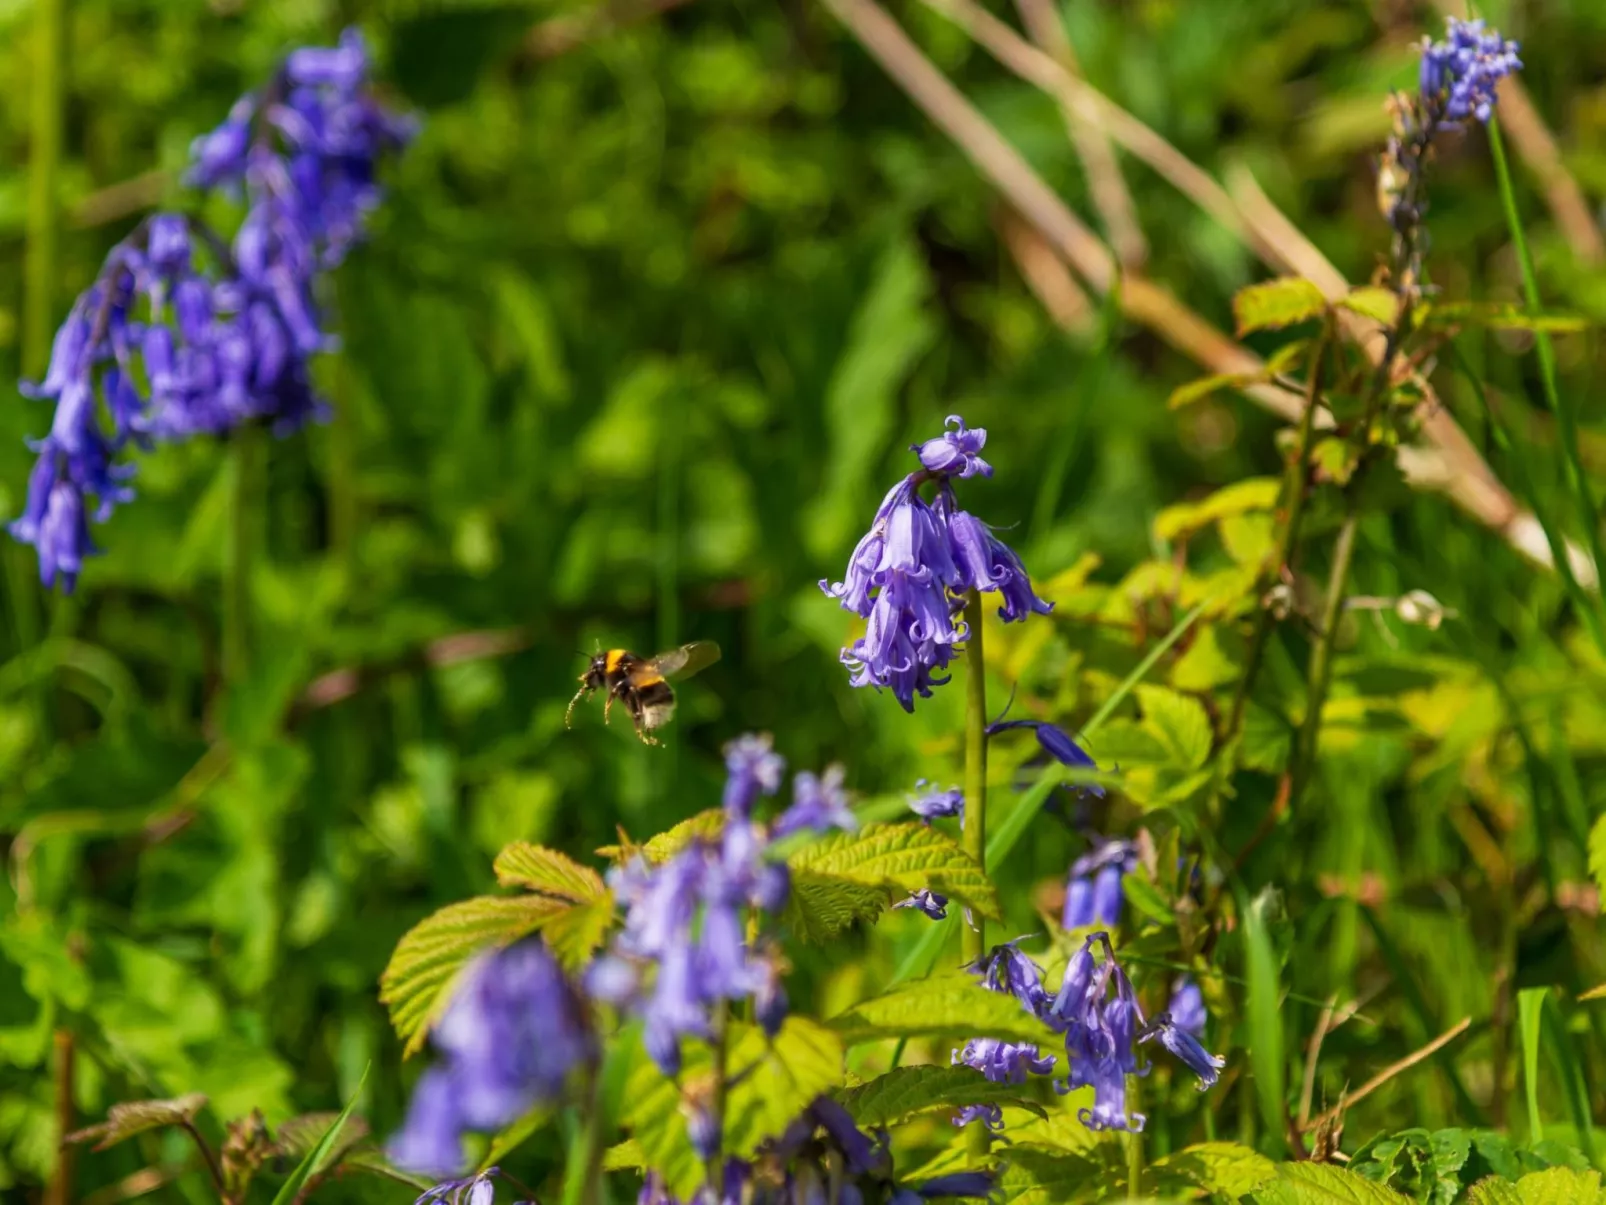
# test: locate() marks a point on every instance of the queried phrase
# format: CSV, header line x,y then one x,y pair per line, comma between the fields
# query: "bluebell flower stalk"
x,y
182,334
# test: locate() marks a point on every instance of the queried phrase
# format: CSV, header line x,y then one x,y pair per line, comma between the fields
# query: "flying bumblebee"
x,y
642,684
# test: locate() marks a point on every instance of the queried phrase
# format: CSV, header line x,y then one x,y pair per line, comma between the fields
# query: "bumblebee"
x,y
642,683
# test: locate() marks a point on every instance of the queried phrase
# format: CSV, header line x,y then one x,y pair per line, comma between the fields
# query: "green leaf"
x,y
1227,1169
1277,303
1530,1021
1597,854
575,933
370,1159
319,1155
432,952
1146,899
705,825
1249,496
125,1120
952,1005
1039,1177
1203,387
1425,1166
1373,301
624,1156
906,1092
1324,1184
1180,723
1266,1019
512,1136
536,868
1499,315
902,856
822,906
1554,1186
774,1080
302,1134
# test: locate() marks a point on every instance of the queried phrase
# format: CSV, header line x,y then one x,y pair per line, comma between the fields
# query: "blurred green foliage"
x,y
642,333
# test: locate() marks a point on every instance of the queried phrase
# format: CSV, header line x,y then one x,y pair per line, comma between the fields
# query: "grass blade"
x,y
1569,1069
292,1187
1530,1019
1266,1024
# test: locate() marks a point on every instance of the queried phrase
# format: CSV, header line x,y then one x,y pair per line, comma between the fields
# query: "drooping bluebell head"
x,y
1187,1007
1093,891
1459,71
932,903
510,1037
1057,745
931,803
911,572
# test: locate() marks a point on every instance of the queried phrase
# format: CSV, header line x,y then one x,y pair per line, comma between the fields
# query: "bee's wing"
x,y
683,662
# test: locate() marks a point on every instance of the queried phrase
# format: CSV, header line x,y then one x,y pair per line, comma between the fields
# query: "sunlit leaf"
x,y
536,868
902,856
906,1092
949,1005
1277,303
1227,1169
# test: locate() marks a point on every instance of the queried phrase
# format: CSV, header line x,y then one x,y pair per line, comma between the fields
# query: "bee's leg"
x,y
607,706
568,715
646,737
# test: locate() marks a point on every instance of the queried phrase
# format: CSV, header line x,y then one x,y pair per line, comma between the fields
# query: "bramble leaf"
x,y
1372,301
1179,722
624,1156
575,933
906,1092
432,952
1227,1169
537,868
1242,497
953,1005
821,906
706,824
1277,303
1040,1177
902,856
1323,1184
125,1120
1554,1186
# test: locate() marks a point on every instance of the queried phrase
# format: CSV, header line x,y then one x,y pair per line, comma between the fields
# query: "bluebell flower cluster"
x,y
822,1156
1055,745
910,574
684,919
1097,1011
1093,894
511,1034
478,1189
182,334
1459,72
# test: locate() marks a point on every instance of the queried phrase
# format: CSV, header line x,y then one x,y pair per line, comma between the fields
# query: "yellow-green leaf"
x,y
952,1005
575,933
624,1156
1500,315
1553,1186
1227,1169
1373,301
821,906
774,1080
704,825
1277,303
1324,1184
1203,387
432,952
537,868
1242,497
1179,722
906,1092
903,856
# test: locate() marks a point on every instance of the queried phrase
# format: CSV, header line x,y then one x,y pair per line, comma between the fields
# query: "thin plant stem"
x,y
1566,421
973,939
243,496
1134,1144
1321,655
60,1190
714,1169
591,1142
1295,491
207,1154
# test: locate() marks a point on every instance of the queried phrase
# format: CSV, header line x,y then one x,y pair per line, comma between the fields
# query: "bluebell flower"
x,y
752,768
954,1184
909,575
930,803
1188,1050
478,1189
511,1035
1093,893
1057,744
930,902
1003,1062
1005,969
819,803
1459,72
1187,1008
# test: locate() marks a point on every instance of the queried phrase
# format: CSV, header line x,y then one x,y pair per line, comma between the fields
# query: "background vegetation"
x,y
654,308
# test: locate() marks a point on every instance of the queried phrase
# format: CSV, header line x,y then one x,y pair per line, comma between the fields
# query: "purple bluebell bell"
x,y
1005,969
510,1037
752,768
1057,744
930,902
1187,1007
1459,72
909,575
819,803
931,803
954,1184
1187,1048
478,1189
1093,894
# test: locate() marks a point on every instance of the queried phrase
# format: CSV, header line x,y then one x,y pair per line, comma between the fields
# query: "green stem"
x,y
1566,422
1295,492
343,470
591,1143
244,496
714,1169
1321,654
1134,1143
973,939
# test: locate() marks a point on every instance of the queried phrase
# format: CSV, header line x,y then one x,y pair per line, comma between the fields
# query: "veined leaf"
x,y
1242,497
537,868
575,933
1553,1186
431,953
1372,301
706,824
1180,723
1277,303
821,906
125,1120
953,1005
906,1092
1227,1169
907,856
1040,1177
1324,1184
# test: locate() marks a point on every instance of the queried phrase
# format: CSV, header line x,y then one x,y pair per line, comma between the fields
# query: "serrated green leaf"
x,y
1277,303
658,1127
822,906
1242,497
537,868
951,1005
906,1092
301,1134
903,856
1324,1184
132,1117
1372,301
1180,723
624,1156
432,952
774,1080
1040,1177
575,933
1227,1169
1554,1186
